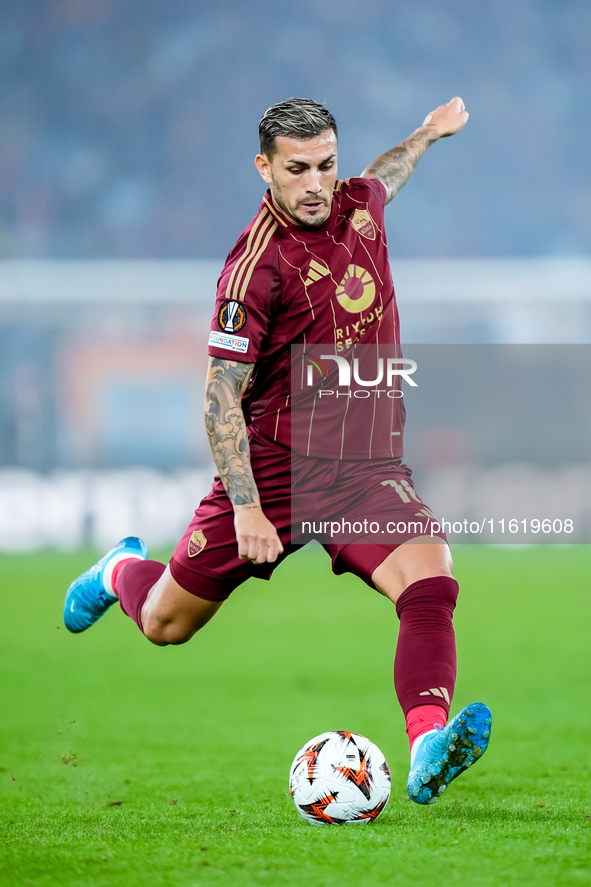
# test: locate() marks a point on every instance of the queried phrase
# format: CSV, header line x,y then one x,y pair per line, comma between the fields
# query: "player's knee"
x,y
163,631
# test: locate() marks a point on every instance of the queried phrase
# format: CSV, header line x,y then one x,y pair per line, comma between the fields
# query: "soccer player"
x,y
311,269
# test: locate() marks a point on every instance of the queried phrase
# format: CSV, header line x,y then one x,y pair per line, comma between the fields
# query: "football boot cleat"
x,y
91,594
445,753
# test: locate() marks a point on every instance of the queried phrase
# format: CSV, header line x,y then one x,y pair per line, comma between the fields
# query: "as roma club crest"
x,y
231,316
197,543
363,224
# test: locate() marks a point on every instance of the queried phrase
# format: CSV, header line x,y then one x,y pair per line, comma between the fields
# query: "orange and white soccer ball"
x,y
339,777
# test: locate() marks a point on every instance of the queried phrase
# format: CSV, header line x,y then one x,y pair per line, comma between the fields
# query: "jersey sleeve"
x,y
377,188
369,193
243,309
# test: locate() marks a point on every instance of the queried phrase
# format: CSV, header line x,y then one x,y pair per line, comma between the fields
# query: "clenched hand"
x,y
256,536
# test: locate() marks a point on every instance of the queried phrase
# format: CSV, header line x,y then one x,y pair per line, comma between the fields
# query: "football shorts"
x,y
359,511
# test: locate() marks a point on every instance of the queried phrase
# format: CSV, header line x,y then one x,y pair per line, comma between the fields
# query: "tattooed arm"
x,y
395,167
227,381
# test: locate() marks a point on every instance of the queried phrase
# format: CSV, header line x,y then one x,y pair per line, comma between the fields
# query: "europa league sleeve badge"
x,y
231,316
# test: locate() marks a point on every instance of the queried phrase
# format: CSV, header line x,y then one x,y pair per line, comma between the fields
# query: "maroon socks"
x,y
425,663
133,583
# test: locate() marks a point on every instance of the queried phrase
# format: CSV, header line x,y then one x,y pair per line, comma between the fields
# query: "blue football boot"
x,y
444,754
91,594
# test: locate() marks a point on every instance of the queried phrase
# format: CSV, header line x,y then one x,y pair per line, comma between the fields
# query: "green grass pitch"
x,y
126,764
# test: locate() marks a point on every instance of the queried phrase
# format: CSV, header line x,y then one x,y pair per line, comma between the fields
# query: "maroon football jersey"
x,y
284,285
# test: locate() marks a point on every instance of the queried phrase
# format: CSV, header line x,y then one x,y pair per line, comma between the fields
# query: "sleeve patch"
x,y
225,340
231,316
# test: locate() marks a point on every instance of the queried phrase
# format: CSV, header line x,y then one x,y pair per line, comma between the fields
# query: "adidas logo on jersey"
x,y
315,272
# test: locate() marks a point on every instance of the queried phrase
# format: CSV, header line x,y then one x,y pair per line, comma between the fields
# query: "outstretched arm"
x,y
395,167
227,381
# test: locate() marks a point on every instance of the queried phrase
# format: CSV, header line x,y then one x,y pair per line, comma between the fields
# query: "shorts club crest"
x,y
197,543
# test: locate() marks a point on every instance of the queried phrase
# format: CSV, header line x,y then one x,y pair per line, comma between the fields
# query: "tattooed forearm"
x,y
224,421
395,167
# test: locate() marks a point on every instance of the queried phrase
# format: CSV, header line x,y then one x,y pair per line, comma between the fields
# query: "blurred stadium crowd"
x,y
128,128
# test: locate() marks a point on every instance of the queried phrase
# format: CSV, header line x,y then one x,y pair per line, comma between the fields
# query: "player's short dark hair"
x,y
296,119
